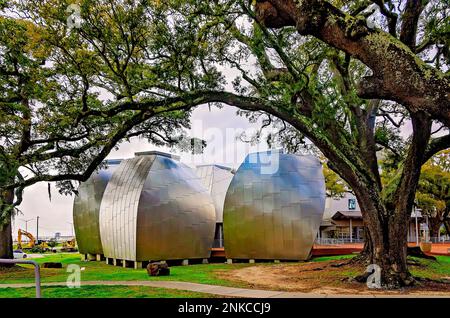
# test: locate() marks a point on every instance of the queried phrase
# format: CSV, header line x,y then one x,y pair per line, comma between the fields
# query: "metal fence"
x,y
37,274
445,239
441,239
335,241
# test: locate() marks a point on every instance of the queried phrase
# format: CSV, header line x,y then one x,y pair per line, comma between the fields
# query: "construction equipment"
x,y
69,246
32,244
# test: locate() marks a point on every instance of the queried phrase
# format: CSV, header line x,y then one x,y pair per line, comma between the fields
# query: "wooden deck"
x,y
218,252
344,249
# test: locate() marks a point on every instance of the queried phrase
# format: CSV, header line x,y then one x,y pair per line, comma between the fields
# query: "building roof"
x,y
157,153
113,161
356,215
217,166
416,211
346,215
327,225
326,222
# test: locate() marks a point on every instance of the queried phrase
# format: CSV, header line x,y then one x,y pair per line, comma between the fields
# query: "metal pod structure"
x,y
216,179
273,207
155,208
86,209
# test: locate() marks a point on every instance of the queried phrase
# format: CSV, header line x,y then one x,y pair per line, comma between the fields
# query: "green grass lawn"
x,y
99,271
332,258
202,273
425,269
431,269
102,292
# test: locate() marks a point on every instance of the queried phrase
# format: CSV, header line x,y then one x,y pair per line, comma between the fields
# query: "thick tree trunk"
x,y
386,246
365,256
414,84
434,225
6,242
447,227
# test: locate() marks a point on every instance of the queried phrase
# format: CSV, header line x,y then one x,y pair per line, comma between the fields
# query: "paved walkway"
x,y
221,290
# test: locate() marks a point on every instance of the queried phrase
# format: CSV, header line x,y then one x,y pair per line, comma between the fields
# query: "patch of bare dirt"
x,y
11,269
320,278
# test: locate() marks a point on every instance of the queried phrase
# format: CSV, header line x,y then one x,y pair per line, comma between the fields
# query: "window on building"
x,y
351,204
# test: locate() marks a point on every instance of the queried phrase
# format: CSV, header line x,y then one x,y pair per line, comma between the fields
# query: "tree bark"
x,y
385,243
447,227
386,219
414,84
434,225
6,242
365,256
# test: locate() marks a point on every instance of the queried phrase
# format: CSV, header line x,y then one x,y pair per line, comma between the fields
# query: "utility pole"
x,y
37,230
26,223
71,227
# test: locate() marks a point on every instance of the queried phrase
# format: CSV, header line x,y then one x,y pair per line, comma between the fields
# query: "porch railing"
x,y
335,241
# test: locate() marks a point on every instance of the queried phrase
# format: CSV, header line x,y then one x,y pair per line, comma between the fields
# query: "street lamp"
x,y
26,223
71,228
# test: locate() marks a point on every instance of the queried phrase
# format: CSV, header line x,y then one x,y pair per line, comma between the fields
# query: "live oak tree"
x,y
433,192
335,71
70,96
335,186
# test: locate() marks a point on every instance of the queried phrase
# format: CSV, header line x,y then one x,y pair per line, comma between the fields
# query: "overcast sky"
x,y
219,127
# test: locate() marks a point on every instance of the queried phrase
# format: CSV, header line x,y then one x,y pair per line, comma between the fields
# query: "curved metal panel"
x,y
86,209
274,214
118,210
217,180
176,217
155,208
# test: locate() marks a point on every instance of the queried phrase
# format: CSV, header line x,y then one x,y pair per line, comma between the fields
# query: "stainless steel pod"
x,y
155,208
86,209
273,207
216,179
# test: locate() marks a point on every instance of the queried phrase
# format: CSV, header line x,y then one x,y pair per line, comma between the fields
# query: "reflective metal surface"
x,y
216,179
86,208
274,215
155,208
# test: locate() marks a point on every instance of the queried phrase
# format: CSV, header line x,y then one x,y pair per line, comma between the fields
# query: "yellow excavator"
x,y
31,244
69,246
